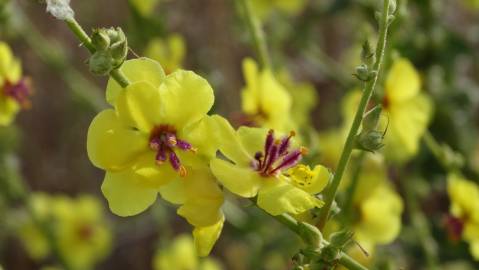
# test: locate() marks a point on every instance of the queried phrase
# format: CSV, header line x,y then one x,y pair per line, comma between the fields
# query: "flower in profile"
x,y
14,89
265,102
257,164
181,254
464,209
408,110
159,139
79,227
169,51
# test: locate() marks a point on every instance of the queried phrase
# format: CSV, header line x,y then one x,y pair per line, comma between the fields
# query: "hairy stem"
x,y
76,28
351,190
256,32
367,93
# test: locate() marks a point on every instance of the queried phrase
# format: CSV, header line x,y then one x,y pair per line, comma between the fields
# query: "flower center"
x,y
277,155
386,102
85,232
455,227
164,142
20,92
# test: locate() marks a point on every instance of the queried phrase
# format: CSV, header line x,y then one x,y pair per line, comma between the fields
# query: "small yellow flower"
x,y
379,206
14,90
181,254
464,220
81,232
170,52
311,181
264,100
259,160
408,110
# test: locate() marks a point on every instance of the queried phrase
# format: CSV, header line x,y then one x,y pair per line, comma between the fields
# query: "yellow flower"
x,y
80,230
264,100
259,160
158,139
14,90
181,254
149,127
311,181
408,110
379,206
264,8
464,222
170,51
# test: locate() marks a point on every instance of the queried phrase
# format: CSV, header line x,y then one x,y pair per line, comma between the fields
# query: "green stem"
x,y
256,34
76,28
350,263
367,93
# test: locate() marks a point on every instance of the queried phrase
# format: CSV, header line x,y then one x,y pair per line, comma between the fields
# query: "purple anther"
x,y
268,143
19,91
170,139
155,144
174,161
285,143
183,145
272,157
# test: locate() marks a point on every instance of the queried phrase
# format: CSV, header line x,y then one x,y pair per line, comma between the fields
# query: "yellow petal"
x,y
250,94
311,181
174,192
110,144
402,82
133,190
380,216
278,197
205,237
139,106
136,70
242,181
253,139
275,101
186,98
204,199
8,110
407,123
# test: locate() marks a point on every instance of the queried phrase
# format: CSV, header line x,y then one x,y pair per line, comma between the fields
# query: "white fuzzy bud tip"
x,y
60,9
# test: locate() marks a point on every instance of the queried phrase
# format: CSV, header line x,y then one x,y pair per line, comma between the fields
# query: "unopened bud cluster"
x,y
370,138
111,50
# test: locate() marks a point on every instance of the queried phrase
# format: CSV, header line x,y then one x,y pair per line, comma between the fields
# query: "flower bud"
x,y
310,234
362,72
101,63
100,39
370,141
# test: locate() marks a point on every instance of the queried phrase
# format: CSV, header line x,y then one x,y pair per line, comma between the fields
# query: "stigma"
x,y
164,141
277,155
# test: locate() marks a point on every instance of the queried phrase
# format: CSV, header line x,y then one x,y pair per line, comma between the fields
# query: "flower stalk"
x,y
330,193
257,34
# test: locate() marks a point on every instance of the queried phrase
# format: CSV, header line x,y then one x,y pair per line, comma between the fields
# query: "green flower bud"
x,y
362,72
310,234
370,141
101,63
367,54
100,39
392,6
340,239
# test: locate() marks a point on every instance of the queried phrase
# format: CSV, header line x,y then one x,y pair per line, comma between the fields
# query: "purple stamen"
x,y
163,141
183,145
19,91
289,161
160,156
285,142
277,155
